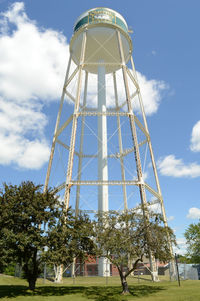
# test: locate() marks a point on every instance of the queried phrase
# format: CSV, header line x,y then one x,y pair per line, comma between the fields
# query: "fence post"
x,y
177,270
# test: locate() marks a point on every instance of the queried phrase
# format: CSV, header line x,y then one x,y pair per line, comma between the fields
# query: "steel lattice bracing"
x,y
80,150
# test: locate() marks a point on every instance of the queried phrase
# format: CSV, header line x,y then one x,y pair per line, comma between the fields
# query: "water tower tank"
x,y
102,44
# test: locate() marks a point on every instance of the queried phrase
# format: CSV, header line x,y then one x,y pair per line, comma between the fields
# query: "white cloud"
x,y
33,63
155,208
18,123
182,247
195,138
21,118
32,60
194,213
151,91
24,153
170,218
170,166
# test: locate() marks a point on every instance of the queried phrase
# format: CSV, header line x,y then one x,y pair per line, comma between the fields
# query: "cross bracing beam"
x,y
86,113
116,155
125,102
71,77
155,193
120,211
67,147
132,78
139,124
134,94
65,124
88,109
113,183
97,183
70,96
107,113
94,183
126,151
154,202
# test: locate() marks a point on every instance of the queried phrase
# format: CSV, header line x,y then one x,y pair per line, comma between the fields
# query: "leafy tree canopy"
x,y
183,259
192,235
24,212
125,237
36,228
68,239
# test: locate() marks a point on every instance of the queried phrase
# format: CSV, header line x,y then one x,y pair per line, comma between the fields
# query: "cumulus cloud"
x,y
195,138
181,246
170,166
155,208
194,213
31,74
33,62
151,91
17,124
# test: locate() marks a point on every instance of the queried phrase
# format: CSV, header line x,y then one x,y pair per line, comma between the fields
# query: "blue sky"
x,y
33,57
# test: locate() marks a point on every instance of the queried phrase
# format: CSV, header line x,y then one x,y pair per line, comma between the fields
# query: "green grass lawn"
x,y
97,289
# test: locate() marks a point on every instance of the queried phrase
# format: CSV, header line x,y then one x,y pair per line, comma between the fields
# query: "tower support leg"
x,y
120,142
73,138
153,265
172,262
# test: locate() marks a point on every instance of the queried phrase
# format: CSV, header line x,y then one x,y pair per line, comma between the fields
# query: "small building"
x,y
189,271
90,268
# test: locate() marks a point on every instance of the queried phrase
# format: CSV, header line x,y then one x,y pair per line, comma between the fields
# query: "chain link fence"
x,y
81,270
189,271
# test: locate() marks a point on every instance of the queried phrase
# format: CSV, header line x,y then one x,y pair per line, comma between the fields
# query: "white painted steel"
x,y
153,265
173,267
101,49
101,43
103,269
102,141
74,126
120,142
86,13
56,127
80,162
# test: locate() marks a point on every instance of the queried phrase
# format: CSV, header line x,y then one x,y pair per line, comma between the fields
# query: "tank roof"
x,y
101,15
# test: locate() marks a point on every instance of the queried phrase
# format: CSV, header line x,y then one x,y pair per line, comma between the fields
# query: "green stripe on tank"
x,y
81,23
91,20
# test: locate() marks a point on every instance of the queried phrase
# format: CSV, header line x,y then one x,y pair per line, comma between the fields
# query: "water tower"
x,y
101,156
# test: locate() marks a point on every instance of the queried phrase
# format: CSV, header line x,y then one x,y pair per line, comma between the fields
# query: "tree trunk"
x,y
58,274
31,270
124,283
32,282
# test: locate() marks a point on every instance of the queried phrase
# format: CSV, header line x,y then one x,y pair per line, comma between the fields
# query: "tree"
x,y
183,259
192,235
125,236
68,239
24,212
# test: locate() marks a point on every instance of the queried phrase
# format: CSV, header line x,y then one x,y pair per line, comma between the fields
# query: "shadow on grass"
x,y
97,293
113,293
